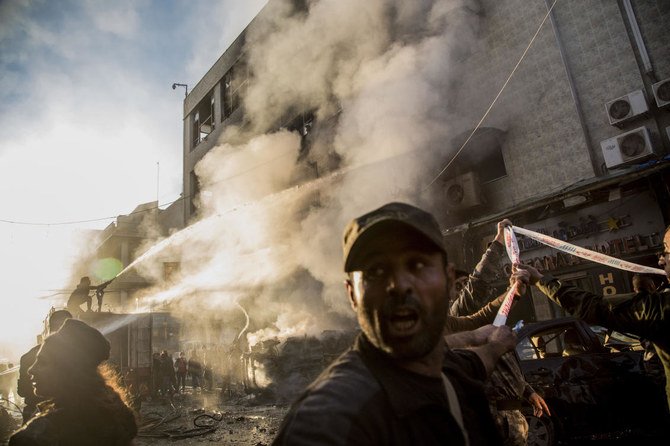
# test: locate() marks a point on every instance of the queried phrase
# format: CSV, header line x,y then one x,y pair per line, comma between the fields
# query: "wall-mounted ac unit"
x,y
463,192
628,148
662,93
626,107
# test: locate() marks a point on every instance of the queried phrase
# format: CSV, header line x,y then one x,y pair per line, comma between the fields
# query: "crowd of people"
x,y
428,366
170,375
204,369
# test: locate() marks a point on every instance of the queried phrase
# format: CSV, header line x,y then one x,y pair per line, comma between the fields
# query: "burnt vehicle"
x,y
595,390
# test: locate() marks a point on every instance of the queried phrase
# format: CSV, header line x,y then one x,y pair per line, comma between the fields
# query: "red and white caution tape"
x,y
512,247
586,253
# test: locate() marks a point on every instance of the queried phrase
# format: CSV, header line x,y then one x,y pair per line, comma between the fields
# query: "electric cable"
x,y
486,113
495,99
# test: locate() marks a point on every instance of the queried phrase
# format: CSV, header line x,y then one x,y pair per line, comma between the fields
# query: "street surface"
x,y
191,419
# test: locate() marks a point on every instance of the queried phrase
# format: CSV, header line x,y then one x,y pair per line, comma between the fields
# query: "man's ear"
x,y
350,292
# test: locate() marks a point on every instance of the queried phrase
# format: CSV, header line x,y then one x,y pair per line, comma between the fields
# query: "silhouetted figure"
x,y
195,370
166,373
180,368
82,295
83,404
25,384
155,374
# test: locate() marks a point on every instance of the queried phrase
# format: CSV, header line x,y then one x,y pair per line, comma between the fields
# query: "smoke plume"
x,y
378,76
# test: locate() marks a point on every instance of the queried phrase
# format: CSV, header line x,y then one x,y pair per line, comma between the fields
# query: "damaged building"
x,y
575,146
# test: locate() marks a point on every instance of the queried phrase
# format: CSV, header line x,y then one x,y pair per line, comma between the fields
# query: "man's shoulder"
x,y
332,408
347,381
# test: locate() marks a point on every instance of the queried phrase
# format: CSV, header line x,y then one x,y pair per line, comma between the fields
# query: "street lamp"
x,y
174,86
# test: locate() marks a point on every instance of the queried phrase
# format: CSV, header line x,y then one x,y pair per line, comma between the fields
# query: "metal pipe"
x,y
637,35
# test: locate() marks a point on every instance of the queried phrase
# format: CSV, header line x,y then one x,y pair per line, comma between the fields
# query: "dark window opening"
x,y
203,120
302,123
482,154
233,87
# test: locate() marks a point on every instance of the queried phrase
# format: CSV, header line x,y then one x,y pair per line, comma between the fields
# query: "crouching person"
x,y
82,405
399,384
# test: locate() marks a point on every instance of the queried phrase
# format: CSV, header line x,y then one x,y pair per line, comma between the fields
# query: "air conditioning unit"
x,y
626,107
463,192
662,93
628,148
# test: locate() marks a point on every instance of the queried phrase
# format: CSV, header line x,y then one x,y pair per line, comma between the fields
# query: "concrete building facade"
x,y
579,137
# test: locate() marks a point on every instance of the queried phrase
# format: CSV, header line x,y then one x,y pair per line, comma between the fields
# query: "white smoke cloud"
x,y
87,112
381,74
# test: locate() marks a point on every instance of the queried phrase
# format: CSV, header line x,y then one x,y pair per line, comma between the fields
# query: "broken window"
x,y
482,153
233,86
203,120
301,123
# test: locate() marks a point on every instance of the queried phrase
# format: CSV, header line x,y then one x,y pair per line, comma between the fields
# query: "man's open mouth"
x,y
403,321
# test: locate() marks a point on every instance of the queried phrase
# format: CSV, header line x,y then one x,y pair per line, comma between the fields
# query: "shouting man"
x,y
399,384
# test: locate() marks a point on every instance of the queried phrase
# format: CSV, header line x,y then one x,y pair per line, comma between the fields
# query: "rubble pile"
x,y
282,369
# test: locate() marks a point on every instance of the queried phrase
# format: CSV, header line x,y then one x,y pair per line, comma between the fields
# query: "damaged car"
x,y
596,382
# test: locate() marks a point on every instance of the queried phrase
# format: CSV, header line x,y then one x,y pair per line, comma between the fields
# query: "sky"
x,y
90,128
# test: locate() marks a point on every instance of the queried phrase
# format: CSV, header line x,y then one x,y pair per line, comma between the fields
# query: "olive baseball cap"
x,y
363,229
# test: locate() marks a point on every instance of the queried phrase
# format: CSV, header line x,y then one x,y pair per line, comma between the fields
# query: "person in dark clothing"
x,y
82,295
195,370
82,404
156,378
24,384
506,388
180,368
399,384
166,373
646,315
643,282
477,290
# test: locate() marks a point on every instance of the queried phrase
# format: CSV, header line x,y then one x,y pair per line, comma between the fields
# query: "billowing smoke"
x,y
378,76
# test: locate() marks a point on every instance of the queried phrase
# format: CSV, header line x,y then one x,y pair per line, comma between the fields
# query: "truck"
x,y
134,337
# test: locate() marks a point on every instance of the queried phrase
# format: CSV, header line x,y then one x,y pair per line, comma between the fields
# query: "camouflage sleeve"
x,y
482,317
646,314
487,268
477,290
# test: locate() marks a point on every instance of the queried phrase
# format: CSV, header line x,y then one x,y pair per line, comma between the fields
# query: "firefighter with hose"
x,y
82,295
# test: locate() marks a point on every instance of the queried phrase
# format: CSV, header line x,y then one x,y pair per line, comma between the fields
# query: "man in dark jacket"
x,y
646,315
25,383
399,384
